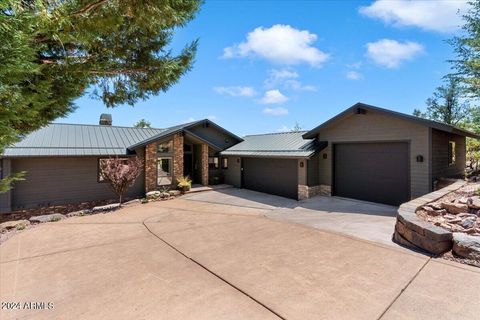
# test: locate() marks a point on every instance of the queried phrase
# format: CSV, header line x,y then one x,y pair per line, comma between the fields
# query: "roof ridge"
x,y
101,126
274,133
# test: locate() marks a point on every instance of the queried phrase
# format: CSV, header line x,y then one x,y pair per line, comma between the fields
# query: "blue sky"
x,y
262,66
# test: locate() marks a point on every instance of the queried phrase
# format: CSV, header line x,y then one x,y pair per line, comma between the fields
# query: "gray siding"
x,y
313,171
5,198
214,135
233,173
54,181
440,166
376,127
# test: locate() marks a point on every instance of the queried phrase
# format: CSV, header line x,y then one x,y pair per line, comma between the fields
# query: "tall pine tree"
x,y
52,51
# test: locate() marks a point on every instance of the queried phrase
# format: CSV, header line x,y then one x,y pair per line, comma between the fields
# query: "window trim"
x,y
170,173
212,165
225,163
452,153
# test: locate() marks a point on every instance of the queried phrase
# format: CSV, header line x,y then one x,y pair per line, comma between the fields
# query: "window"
x,y
187,148
164,171
213,162
451,153
166,147
101,163
224,163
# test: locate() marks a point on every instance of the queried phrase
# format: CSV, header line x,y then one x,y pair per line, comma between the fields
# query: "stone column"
x,y
150,167
204,164
177,157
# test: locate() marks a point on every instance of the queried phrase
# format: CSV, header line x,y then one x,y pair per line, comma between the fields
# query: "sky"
x,y
263,66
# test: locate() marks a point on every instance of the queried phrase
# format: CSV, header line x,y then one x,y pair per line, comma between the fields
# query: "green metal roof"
x,y
279,145
59,139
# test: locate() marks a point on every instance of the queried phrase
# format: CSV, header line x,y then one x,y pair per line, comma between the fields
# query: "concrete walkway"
x,y
182,259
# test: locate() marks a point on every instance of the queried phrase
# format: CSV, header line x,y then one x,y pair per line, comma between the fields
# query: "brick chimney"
x,y
105,119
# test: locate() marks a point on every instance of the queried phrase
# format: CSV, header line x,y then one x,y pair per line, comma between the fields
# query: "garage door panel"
x,y
377,172
274,176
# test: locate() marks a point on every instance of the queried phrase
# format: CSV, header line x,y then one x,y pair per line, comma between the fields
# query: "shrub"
x,y
20,226
184,183
55,219
121,173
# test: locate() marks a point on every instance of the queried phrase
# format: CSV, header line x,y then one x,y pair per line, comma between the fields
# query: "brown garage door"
x,y
274,176
377,172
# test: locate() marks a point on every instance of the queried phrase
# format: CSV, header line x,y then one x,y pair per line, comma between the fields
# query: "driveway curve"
x,y
183,260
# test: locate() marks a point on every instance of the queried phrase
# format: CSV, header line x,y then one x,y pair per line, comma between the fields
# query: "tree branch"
x,y
89,7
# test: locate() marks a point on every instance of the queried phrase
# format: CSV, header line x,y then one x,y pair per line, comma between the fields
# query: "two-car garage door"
x,y
377,172
274,176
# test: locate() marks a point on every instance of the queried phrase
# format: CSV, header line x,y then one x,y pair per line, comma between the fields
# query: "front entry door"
x,y
188,165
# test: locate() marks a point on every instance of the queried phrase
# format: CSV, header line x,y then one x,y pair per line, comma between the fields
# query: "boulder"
x,y
454,208
107,207
174,193
47,218
131,202
16,224
153,194
466,246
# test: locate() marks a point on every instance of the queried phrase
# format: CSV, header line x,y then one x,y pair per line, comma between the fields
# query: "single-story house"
x,y
365,153
62,160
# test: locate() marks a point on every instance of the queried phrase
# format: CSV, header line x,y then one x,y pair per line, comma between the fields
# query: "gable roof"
x,y
279,145
59,139
181,128
425,122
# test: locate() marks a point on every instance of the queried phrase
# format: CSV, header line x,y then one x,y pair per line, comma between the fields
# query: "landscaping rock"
x,y
153,195
131,202
454,208
47,218
16,224
107,207
432,212
174,193
474,203
466,246
468,223
77,213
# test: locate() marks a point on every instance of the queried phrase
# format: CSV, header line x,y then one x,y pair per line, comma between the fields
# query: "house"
x,y
62,160
365,152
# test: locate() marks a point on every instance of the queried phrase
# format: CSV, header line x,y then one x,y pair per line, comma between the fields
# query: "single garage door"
x,y
377,172
274,176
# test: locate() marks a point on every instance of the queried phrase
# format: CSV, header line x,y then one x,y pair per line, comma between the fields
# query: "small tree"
x,y
121,173
296,127
142,123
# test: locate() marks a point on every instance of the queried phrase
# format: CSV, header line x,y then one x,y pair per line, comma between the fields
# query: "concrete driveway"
x,y
364,220
185,259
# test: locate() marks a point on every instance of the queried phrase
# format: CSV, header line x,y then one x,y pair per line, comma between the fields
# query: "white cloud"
x,y
286,78
212,117
354,75
279,111
273,97
436,15
355,65
280,44
391,53
236,91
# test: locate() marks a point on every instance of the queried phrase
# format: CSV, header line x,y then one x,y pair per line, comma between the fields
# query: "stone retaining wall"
x,y
413,232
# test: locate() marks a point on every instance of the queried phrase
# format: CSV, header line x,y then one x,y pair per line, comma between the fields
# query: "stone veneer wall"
x,y
204,164
150,167
306,192
177,157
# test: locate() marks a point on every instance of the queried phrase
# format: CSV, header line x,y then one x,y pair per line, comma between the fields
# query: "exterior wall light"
x,y
419,158
301,164
324,156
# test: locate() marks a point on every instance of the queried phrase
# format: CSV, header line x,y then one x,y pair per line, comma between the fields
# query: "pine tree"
x,y
53,51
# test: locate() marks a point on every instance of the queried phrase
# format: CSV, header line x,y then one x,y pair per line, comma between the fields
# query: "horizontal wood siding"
x,y
440,166
5,198
377,127
52,181
313,174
